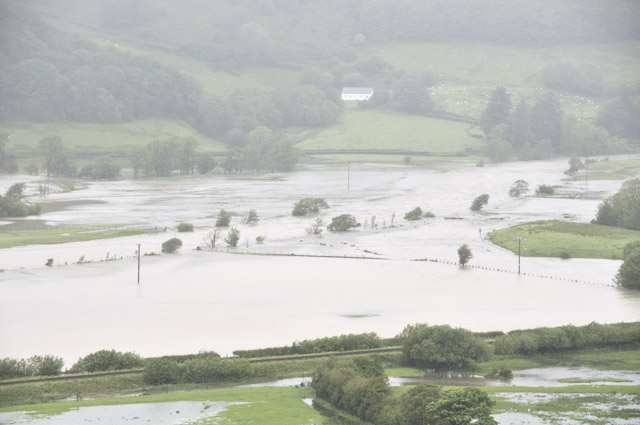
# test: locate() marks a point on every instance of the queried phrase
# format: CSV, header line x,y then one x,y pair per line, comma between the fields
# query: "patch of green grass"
x,y
56,235
404,372
103,139
361,129
589,381
555,238
616,169
277,406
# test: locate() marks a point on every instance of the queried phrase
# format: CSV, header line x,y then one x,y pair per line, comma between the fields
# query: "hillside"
x,y
138,71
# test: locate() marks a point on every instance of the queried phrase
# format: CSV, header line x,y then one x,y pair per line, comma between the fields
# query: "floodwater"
x,y
173,413
202,300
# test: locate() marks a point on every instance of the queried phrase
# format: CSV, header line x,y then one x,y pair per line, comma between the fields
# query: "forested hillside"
x,y
281,64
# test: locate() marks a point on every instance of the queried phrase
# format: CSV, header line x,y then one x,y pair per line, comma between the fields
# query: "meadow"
x,y
565,240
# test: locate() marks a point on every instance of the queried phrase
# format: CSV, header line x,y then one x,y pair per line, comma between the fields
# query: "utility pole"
x,y
138,263
519,242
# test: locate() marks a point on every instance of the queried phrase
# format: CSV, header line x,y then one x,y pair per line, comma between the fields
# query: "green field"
x,y
559,239
102,139
617,169
11,238
360,129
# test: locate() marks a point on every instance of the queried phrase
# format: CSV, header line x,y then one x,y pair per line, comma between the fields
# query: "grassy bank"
x,y
565,240
11,238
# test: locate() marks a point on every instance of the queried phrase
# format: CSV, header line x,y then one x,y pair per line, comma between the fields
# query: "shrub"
x,y
519,187
161,372
185,227
565,255
545,189
464,254
172,245
224,218
233,237
428,214
107,360
414,214
307,206
479,202
342,223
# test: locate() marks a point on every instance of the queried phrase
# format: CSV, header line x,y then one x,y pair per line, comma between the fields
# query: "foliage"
x,y
251,217
56,160
211,239
460,407
545,189
7,162
479,202
161,372
224,218
438,347
628,275
414,214
34,366
102,168
498,148
410,93
233,237
623,208
205,163
498,110
13,207
316,228
519,187
16,190
348,342
575,164
342,223
171,245
620,116
568,338
464,255
104,360
308,206
415,401
185,227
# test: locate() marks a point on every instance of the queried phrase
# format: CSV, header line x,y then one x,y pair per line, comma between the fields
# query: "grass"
x,y
556,239
11,238
404,372
277,406
617,169
589,381
103,139
361,129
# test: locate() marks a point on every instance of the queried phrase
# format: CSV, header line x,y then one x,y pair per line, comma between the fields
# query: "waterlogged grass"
x,y
404,372
557,239
589,381
610,170
361,129
11,238
267,406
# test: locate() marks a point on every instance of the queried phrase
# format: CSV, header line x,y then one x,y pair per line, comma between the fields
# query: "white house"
x,y
356,93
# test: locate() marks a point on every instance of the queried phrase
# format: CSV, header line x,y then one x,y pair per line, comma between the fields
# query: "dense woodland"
x,y
52,73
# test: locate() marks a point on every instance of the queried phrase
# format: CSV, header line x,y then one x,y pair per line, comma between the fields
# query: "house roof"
x,y
357,90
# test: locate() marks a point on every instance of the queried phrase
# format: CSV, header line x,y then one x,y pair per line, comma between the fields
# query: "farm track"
x,y
258,360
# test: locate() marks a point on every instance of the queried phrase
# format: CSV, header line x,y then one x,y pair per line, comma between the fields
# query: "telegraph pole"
x,y
138,263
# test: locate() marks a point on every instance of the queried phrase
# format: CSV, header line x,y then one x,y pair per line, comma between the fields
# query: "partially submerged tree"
x,y
308,206
414,214
623,208
224,218
519,187
212,238
464,255
316,228
479,202
251,217
342,223
171,245
545,189
233,237
185,227
629,273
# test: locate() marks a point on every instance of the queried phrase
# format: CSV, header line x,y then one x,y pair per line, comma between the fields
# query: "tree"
x,y
233,237
575,164
464,255
171,245
185,227
497,111
546,120
251,217
15,191
211,239
56,160
460,407
160,372
479,202
107,360
187,155
545,189
628,275
414,402
308,206
519,187
623,208
411,95
205,163
316,227
342,223
414,214
224,218
498,147
8,162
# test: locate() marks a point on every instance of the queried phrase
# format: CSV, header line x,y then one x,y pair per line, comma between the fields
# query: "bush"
x,y
623,208
414,214
161,372
437,347
103,360
307,206
172,245
519,187
185,227
545,189
233,237
429,214
34,366
342,223
224,218
464,254
479,202
628,275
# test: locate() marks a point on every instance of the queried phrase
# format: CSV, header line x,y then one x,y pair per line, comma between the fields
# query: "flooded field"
x,y
197,300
